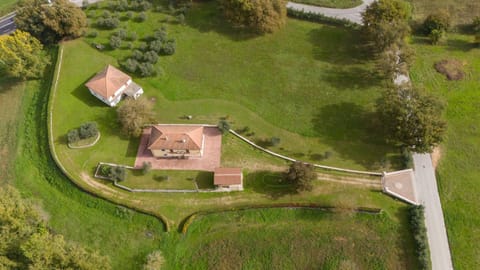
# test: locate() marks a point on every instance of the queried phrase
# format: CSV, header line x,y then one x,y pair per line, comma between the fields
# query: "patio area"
x,y
208,162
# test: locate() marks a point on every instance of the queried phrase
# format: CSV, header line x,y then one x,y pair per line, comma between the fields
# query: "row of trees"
x,y
412,118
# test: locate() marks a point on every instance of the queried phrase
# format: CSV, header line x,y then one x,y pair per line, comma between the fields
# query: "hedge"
x,y
417,221
315,17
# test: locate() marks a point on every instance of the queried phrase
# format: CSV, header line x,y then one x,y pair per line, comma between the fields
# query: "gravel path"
x,y
351,14
428,196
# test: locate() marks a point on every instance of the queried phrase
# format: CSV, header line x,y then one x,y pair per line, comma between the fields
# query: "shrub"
x,y
141,17
154,261
316,17
168,47
274,141
105,170
93,34
151,57
476,25
73,136
436,36
301,176
122,34
224,126
439,21
181,18
130,45
129,15
88,130
115,42
130,65
146,69
108,23
143,46
146,167
160,35
118,173
144,5
417,221
137,55
156,45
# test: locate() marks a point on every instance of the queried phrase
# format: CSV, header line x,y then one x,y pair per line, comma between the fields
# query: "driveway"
x,y
428,196
208,162
350,14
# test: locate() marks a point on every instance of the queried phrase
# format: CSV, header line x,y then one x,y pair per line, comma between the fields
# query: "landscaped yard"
x,y
161,179
316,240
459,169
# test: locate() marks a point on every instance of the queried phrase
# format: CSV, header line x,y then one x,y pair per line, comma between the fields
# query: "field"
x,y
331,3
316,240
461,11
459,169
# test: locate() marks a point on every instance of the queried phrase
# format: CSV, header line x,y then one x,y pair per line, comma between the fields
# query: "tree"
x,y
436,36
50,23
88,130
440,21
27,243
385,22
260,16
21,55
224,126
115,42
412,118
301,176
155,261
133,114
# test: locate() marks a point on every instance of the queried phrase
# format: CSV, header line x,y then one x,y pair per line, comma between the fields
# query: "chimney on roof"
x,y
184,140
166,138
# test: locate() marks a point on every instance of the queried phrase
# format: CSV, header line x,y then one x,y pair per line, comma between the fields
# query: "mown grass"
x,y
7,6
165,179
292,239
307,84
459,169
331,3
78,216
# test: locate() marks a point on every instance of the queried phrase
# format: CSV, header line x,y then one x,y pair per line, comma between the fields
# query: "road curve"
x,y
351,14
428,196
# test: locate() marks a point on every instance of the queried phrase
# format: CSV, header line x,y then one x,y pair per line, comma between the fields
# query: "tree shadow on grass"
x,y
269,183
352,132
338,45
207,17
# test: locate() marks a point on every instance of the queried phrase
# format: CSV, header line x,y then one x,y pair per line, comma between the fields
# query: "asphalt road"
x,y
351,14
7,24
428,196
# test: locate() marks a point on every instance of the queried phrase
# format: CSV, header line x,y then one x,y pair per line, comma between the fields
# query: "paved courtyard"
x,y
208,162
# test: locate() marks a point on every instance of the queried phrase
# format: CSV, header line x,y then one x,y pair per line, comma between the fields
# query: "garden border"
x,y
87,145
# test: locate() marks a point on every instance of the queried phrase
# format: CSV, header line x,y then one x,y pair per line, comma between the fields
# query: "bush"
x,y
108,23
407,160
301,176
439,21
315,17
146,69
156,45
436,36
88,130
122,34
417,221
143,46
73,136
274,141
105,170
93,34
130,65
130,45
118,173
141,17
224,126
160,35
115,42
137,55
144,5
181,19
476,25
151,57
146,167
168,47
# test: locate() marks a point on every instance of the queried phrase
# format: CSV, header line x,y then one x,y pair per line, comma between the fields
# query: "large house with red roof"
x,y
180,141
111,84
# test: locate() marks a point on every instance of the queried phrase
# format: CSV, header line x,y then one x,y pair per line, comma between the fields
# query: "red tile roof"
x,y
227,176
108,81
176,137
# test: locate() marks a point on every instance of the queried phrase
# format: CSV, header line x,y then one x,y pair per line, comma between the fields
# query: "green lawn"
x,y
163,179
314,239
80,217
307,84
331,3
459,171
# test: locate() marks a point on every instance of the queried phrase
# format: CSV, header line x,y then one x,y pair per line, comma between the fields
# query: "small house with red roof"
x,y
176,141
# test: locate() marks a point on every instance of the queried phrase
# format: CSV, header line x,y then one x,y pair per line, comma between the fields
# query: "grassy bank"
x,y
293,239
459,169
80,217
